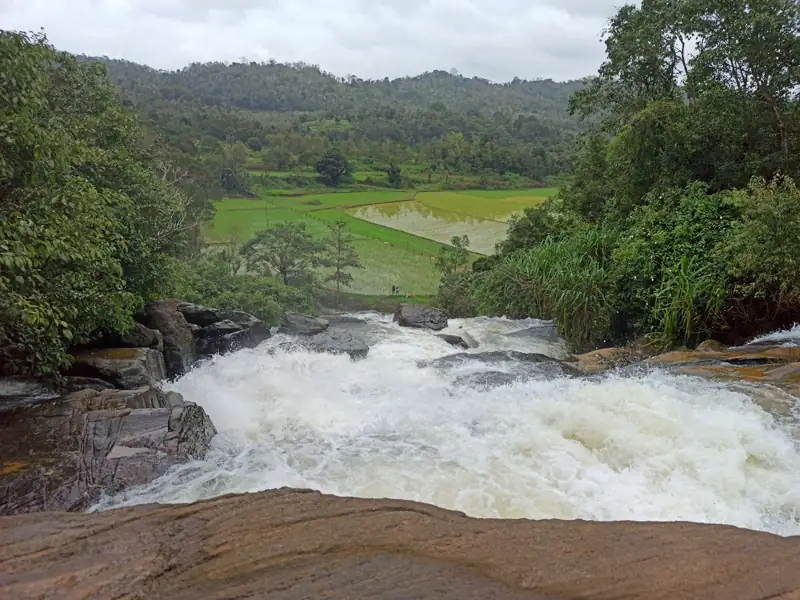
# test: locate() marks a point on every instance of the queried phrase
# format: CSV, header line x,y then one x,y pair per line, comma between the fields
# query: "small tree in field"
x,y
333,168
340,254
455,256
286,250
395,176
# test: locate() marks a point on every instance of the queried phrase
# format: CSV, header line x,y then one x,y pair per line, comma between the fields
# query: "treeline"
x,y
96,216
290,115
682,218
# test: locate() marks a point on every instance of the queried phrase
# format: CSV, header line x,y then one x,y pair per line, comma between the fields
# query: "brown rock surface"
x,y
125,368
291,544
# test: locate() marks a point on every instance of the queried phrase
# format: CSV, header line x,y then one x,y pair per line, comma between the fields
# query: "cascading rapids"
x,y
656,447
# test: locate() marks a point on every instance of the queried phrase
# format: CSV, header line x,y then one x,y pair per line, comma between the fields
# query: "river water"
x,y
647,447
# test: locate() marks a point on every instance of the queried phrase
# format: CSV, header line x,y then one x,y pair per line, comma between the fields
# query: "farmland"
x,y
397,234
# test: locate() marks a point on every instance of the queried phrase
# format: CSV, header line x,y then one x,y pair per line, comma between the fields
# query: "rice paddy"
x,y
398,233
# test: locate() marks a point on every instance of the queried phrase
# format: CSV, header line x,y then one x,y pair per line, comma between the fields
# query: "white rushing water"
x,y
653,447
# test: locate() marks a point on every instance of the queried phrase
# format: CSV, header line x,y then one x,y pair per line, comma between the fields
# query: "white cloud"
x,y
497,39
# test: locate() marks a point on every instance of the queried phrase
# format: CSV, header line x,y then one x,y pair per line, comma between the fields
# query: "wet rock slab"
x,y
292,545
523,365
299,324
334,341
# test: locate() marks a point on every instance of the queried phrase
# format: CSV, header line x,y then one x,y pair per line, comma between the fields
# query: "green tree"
x,y
455,256
286,250
340,254
395,176
87,226
333,168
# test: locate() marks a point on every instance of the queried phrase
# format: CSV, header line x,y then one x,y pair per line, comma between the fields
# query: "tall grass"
x,y
567,280
687,301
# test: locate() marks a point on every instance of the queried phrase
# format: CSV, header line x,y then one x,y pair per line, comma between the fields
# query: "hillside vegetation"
x,y
682,218
285,117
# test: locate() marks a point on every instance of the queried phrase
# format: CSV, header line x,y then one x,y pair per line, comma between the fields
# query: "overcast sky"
x,y
496,39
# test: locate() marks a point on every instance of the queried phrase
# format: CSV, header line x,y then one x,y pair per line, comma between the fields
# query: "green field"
x,y
398,233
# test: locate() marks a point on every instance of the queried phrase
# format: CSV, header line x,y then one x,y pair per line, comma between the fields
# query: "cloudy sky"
x,y
496,39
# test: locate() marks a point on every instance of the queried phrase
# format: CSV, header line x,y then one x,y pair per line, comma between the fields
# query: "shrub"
x,y
568,280
213,281
673,226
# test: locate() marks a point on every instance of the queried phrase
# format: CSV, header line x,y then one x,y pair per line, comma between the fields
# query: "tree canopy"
x,y
687,170
87,225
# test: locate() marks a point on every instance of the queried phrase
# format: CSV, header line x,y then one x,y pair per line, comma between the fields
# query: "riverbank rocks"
x,y
334,341
179,346
63,454
299,324
124,368
420,316
778,366
295,544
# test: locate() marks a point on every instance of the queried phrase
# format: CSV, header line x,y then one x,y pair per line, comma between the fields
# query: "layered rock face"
x,y
63,454
291,544
112,428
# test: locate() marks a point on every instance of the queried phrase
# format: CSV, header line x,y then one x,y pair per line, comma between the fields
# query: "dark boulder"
x,y
231,342
218,329
231,335
420,316
179,346
139,337
299,324
63,454
202,316
125,368
337,342
453,340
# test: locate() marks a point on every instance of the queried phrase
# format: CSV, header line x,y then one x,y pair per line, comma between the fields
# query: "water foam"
x,y
656,447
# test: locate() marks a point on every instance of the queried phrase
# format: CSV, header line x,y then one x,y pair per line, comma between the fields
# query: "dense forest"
x,y
682,218
287,116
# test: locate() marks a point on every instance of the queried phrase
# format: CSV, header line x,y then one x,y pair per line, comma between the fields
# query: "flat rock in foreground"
x,y
290,544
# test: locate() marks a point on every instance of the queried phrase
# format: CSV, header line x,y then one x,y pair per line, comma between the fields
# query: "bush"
x,y
671,243
212,281
455,295
549,220
762,258
568,280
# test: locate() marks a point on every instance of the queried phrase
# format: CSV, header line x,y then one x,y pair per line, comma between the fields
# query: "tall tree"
x,y
454,256
340,255
691,91
287,250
